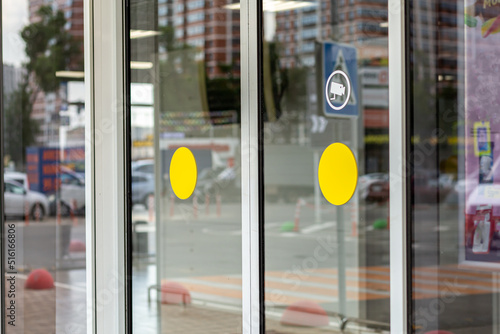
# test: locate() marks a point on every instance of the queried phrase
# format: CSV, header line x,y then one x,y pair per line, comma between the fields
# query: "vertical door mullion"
x,y
2,207
252,317
105,166
88,31
397,152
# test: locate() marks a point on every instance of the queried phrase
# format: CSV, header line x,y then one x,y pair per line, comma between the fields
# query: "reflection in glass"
x,y
454,181
43,128
185,96
325,82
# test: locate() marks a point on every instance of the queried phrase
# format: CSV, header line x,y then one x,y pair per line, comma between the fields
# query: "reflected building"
x,y
12,77
356,22
359,23
207,25
48,105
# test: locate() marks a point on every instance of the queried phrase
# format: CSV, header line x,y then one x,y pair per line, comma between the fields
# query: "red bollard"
x,y
297,215
76,246
39,279
305,313
174,293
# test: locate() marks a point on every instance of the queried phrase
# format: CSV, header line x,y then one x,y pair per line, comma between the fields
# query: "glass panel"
x,y
43,128
454,165
185,136
326,164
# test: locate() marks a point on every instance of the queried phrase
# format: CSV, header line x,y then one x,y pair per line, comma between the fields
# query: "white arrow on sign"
x,y
314,119
319,124
323,122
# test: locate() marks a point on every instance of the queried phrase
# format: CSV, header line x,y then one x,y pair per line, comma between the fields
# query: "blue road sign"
x,y
340,80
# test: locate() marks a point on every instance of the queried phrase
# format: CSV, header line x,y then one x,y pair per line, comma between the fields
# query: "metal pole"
x,y
341,261
317,190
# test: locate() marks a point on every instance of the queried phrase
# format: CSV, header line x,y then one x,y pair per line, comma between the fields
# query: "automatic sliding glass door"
x,y
185,166
326,165
324,143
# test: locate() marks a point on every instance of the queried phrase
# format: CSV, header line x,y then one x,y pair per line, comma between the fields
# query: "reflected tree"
x,y
20,130
50,48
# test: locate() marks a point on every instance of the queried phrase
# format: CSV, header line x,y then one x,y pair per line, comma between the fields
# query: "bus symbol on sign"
x,y
334,89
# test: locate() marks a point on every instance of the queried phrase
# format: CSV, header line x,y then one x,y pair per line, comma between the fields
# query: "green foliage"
x,y
184,86
50,48
20,130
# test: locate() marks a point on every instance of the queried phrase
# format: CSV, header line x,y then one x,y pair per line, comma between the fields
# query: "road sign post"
x,y
338,97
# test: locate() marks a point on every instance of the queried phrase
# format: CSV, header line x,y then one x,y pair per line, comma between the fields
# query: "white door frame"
x,y
397,168
104,36
105,164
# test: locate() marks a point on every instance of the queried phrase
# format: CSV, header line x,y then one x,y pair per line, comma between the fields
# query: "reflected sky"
x,y
15,17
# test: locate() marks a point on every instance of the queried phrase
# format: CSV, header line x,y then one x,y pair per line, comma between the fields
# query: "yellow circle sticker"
x,y
338,174
183,173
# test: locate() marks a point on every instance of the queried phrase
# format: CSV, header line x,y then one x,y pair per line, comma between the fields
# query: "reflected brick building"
x,y
47,106
207,25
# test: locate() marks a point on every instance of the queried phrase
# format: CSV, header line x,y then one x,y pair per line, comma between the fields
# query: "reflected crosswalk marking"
x,y
320,285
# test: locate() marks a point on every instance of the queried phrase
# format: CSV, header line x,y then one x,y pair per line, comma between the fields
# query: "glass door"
x,y
266,138
454,130
185,166
325,126
44,159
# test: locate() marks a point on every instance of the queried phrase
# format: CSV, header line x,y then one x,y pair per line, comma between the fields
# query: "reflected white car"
x,y
19,201
72,193
21,178
146,166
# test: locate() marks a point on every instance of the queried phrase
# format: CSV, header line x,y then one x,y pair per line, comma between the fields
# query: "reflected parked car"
x,y
71,192
21,178
146,166
18,201
374,187
143,185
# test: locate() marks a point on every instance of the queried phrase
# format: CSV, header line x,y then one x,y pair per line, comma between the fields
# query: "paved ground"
x,y
204,255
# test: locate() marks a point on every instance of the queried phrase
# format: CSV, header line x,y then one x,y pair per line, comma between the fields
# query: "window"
x,y
195,4
163,10
179,20
14,189
196,17
195,30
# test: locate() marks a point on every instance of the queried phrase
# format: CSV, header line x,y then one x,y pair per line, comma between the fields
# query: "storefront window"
x,y
454,176
43,129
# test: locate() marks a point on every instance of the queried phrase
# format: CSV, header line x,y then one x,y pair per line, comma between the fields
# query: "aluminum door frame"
x,y
105,134
105,68
398,144
251,168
